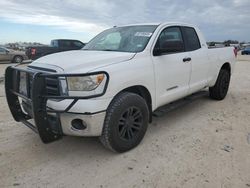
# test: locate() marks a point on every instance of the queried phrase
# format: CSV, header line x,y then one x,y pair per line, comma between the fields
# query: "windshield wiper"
x,y
108,50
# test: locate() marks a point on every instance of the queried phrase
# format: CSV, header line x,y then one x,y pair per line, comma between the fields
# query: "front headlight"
x,y
86,83
82,86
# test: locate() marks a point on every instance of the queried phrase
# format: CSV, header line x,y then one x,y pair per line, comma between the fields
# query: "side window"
x,y
2,50
77,44
170,40
65,44
192,41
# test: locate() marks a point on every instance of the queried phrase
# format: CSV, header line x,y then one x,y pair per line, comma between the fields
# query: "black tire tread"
x,y
116,102
214,92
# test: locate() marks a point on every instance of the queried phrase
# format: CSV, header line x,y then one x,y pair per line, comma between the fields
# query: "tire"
x,y
220,89
125,123
17,59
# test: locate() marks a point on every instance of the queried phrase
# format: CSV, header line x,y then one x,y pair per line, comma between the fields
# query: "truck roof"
x,y
66,39
160,23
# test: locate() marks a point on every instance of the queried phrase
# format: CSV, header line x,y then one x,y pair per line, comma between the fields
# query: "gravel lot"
x,y
201,144
3,66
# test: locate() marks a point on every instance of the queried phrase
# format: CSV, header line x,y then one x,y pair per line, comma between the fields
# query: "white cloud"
x,y
218,19
73,25
19,13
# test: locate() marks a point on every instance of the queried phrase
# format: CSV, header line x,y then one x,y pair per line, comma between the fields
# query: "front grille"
x,y
52,86
30,81
51,83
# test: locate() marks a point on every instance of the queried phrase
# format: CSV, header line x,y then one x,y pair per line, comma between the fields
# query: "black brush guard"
x,y
47,121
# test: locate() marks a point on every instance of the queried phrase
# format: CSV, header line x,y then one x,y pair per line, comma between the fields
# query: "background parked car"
x,y
12,55
58,45
246,51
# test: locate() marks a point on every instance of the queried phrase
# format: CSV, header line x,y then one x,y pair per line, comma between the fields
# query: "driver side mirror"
x,y
7,51
169,47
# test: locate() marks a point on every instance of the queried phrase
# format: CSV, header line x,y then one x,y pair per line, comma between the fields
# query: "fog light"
x,y
78,124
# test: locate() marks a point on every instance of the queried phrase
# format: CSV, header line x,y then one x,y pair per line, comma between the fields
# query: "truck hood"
x,y
79,61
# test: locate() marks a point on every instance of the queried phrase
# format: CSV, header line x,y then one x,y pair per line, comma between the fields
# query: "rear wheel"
x,y
17,59
219,90
126,122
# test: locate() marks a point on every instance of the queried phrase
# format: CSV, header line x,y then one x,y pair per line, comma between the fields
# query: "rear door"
x,y
199,61
173,69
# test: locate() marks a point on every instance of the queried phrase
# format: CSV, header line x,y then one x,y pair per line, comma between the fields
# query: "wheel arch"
x,y
144,93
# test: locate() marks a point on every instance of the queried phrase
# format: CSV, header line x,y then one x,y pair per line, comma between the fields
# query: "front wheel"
x,y
219,90
126,122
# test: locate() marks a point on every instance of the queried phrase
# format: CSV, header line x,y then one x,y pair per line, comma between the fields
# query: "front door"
x,y
173,68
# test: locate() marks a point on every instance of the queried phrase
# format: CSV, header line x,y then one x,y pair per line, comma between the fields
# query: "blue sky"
x,y
41,21
17,32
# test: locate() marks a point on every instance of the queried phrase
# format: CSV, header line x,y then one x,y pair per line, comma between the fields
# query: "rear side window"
x,y
192,41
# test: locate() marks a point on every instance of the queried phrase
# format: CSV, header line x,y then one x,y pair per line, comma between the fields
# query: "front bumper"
x,y
93,122
50,124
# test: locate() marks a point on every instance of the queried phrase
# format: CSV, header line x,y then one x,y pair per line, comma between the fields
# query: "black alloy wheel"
x,y
130,123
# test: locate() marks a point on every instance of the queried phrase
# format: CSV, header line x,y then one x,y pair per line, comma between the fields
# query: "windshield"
x,y
122,39
4,49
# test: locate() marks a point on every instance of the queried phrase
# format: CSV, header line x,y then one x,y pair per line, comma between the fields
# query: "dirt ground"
x,y
200,144
3,66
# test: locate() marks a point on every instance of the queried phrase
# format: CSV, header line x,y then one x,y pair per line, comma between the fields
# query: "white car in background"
x,y
110,88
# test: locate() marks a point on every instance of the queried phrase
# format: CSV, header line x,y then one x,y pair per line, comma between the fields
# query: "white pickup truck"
x,y
110,88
